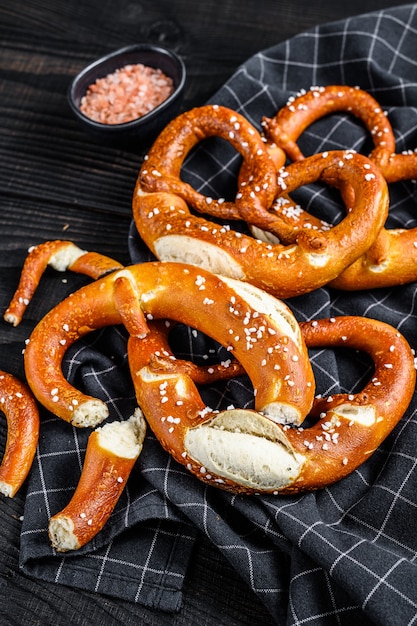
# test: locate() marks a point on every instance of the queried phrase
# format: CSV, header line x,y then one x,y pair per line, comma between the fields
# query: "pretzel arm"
x,y
391,261
61,255
161,170
199,374
22,416
112,451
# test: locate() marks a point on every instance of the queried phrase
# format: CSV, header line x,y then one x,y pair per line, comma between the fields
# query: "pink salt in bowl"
x,y
127,97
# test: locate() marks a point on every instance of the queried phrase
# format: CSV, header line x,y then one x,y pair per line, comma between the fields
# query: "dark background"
x,y
56,182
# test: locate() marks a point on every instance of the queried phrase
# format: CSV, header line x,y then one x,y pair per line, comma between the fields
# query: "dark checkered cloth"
x,y
345,553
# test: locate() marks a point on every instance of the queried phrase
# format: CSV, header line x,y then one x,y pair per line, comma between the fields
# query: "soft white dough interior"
x,y
318,260
267,304
90,413
184,249
264,235
65,257
245,447
6,489
124,439
282,413
61,534
378,269
364,415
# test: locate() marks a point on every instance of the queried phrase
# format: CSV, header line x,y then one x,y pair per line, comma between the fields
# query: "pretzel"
x,y
112,451
61,256
21,411
165,223
227,448
255,327
383,264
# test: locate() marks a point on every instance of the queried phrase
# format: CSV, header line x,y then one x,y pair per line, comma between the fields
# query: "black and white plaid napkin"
x,y
347,552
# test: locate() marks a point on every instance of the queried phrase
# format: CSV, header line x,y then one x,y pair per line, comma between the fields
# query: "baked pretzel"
x,y
61,256
255,328
165,223
21,411
112,451
392,259
237,450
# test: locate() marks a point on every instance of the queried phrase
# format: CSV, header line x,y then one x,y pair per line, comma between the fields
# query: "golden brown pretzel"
x,y
112,451
21,411
165,223
227,448
392,259
255,328
60,255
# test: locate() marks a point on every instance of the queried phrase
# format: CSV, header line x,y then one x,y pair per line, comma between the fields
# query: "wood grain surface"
x,y
57,182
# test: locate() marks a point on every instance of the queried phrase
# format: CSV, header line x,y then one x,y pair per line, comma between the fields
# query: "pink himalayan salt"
x,y
126,94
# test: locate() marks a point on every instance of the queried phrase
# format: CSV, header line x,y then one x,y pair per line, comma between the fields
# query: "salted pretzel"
x,y
392,259
22,416
61,256
236,451
254,327
173,233
112,450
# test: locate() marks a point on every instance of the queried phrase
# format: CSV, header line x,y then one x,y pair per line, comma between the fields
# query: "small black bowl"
x,y
143,129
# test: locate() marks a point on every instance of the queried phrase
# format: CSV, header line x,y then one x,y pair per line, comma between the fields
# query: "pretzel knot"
x,y
382,265
161,208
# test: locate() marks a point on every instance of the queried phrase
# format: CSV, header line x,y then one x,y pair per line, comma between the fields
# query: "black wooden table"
x,y
56,182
